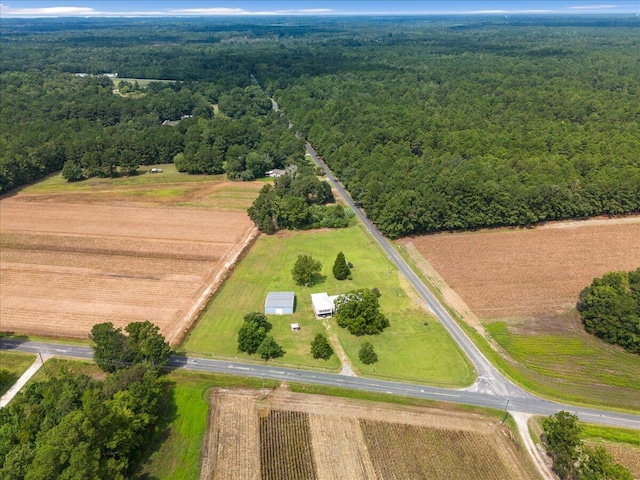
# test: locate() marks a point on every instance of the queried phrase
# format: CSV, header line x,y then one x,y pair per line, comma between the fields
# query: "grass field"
x,y
55,367
576,367
408,349
167,188
16,364
176,450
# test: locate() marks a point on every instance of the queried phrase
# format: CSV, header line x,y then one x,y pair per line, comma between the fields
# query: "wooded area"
x,y
610,309
439,123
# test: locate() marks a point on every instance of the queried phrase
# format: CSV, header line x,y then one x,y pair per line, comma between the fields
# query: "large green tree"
x,y
562,438
320,347
367,353
110,347
572,459
252,332
113,350
306,271
269,348
359,312
147,344
341,270
610,309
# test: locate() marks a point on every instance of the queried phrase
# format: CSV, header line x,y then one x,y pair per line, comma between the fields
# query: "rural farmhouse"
x,y
323,304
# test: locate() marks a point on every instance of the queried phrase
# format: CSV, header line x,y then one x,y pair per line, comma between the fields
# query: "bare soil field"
x,y
319,437
71,260
535,272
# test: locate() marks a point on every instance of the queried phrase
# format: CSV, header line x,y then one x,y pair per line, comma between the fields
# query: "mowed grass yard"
x,y
408,350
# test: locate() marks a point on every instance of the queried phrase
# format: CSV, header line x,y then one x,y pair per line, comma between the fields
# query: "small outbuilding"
x,y
323,305
295,327
280,303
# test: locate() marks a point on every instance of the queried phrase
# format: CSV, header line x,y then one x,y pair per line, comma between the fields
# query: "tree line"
x,y
432,124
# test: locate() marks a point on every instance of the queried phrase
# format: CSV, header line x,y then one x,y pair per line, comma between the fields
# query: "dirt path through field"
x,y
347,368
538,457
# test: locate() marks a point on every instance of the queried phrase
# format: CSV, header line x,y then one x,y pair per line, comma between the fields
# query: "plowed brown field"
x,y
313,436
67,263
533,272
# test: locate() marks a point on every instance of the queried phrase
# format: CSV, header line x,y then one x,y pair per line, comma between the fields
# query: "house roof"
x,y
280,300
322,301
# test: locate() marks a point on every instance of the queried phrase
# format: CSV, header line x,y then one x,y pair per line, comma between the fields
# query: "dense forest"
x,y
432,123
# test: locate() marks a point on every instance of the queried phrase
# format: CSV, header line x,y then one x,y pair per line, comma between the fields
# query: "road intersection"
x,y
491,388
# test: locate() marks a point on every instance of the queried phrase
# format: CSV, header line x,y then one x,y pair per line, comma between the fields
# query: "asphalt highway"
x,y
527,404
490,380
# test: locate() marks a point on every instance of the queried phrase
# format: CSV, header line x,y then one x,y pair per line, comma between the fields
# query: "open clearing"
x,y
523,285
271,435
100,250
408,349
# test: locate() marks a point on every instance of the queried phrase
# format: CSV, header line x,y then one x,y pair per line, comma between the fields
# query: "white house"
x,y
323,304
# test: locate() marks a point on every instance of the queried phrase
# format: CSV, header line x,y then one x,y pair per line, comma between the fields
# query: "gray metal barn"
x,y
280,303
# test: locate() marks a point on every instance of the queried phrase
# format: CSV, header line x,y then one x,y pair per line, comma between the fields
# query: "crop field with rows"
x,y
273,435
76,256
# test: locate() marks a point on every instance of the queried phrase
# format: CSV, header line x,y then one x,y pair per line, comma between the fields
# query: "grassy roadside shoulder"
x,y
408,350
530,380
174,452
15,364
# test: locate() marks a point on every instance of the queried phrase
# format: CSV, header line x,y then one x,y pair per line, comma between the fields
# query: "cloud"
x,y
6,11
208,11
47,11
307,10
594,7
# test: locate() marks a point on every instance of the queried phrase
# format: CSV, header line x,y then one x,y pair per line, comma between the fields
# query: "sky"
x,y
97,8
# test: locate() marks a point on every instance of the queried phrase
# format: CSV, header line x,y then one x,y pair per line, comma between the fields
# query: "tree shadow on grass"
x,y
316,279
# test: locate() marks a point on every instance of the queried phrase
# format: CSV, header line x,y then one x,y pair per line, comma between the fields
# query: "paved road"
x,y
528,404
490,380
491,389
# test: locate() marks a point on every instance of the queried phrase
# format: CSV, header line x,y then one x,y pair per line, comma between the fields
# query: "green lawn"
x,y
574,367
176,454
407,350
16,364
56,367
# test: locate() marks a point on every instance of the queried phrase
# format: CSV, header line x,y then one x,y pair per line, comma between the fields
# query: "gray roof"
x,y
280,300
